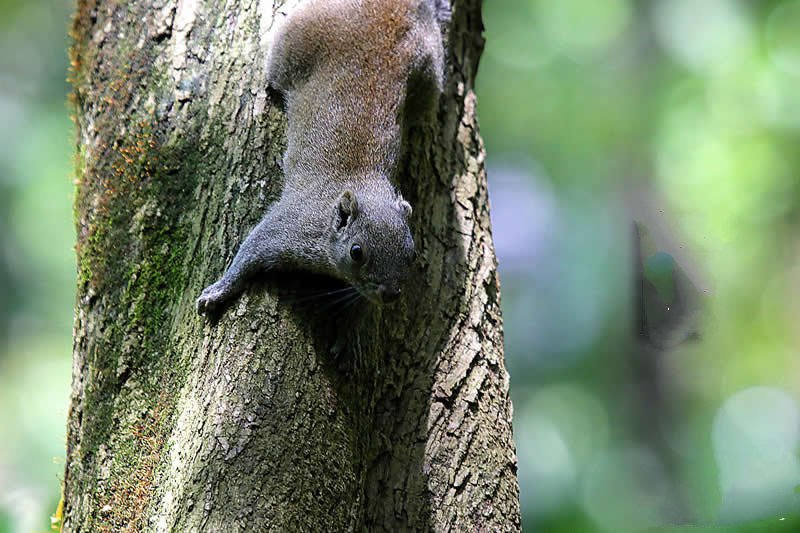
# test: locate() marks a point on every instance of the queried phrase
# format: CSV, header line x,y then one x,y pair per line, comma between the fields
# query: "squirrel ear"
x,y
405,207
346,208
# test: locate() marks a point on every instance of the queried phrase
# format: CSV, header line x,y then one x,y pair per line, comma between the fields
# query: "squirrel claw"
x,y
210,299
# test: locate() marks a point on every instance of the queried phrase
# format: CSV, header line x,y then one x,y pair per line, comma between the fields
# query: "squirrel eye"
x,y
356,253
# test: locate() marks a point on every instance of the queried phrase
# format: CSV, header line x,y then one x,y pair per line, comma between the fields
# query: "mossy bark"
x,y
261,420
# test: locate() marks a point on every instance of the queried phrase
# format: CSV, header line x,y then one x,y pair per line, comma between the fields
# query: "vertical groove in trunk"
x,y
253,422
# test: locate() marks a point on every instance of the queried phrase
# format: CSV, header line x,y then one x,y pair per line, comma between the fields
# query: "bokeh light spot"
x,y
777,97
703,34
755,436
782,34
547,463
624,490
559,431
517,42
582,27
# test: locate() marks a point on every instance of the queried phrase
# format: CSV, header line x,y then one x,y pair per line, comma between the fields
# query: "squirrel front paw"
x,y
211,298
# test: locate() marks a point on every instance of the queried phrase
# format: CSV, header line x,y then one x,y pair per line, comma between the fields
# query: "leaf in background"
x,y
668,299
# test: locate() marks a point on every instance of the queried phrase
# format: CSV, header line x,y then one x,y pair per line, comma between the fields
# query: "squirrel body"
x,y
354,75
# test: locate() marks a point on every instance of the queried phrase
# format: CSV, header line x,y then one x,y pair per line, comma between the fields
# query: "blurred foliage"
x,y
698,103
581,102
37,272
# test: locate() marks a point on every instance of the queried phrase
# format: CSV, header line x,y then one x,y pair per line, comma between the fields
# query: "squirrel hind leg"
x,y
422,94
277,97
295,49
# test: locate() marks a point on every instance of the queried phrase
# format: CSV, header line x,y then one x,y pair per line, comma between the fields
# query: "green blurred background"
x,y
670,397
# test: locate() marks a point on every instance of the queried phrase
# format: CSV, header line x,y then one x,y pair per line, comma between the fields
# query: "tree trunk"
x,y
261,420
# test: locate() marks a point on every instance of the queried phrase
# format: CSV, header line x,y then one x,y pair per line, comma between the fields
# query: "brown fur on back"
x,y
344,66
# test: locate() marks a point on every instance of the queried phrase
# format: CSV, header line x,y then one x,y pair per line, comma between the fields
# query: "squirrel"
x,y
353,75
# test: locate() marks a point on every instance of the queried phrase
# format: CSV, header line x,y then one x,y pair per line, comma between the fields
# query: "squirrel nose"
x,y
388,294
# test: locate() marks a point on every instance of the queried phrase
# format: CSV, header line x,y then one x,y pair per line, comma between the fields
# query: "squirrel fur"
x,y
354,75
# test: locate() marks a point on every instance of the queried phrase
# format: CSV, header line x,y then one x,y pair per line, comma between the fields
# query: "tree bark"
x,y
261,420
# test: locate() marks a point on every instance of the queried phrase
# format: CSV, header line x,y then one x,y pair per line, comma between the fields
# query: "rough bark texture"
x,y
252,422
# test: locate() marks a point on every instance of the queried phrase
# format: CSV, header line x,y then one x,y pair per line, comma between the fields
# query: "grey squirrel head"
x,y
371,243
